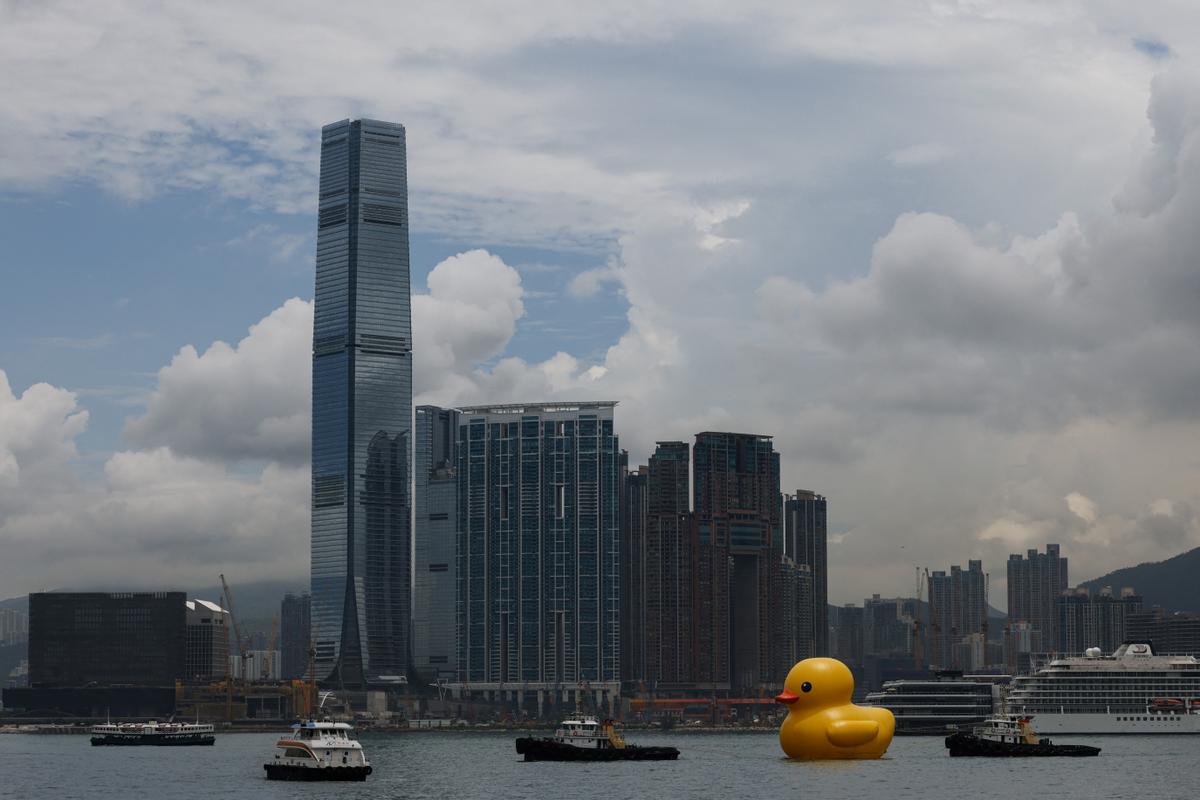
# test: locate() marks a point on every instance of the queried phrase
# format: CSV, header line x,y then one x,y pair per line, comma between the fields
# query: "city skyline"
x,y
959,294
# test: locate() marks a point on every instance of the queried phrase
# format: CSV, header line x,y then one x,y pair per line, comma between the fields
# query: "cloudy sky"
x,y
947,253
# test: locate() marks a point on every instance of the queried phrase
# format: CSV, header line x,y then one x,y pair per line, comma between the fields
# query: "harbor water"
x,y
484,765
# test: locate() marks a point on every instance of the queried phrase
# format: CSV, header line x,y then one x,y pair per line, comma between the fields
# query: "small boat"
x,y
171,734
1010,735
319,751
588,740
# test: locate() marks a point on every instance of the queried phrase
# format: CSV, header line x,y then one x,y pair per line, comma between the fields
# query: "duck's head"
x,y
817,683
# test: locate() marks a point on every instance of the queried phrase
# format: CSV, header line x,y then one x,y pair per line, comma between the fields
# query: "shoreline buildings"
x,y
538,518
713,600
362,408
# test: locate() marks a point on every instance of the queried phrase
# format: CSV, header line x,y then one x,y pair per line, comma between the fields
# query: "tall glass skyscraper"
x,y
362,406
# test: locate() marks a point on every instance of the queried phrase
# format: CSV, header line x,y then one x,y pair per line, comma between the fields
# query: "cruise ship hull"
x,y
1105,724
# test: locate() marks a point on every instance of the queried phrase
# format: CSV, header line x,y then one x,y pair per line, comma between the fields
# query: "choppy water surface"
x,y
485,765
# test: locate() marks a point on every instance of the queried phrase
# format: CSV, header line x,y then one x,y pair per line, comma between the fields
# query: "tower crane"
x,y
237,631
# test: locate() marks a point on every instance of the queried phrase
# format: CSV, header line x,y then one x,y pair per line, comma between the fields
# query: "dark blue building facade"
x,y
362,407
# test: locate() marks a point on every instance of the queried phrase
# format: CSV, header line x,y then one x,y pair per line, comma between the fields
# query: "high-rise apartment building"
x,y
957,609
539,595
887,631
805,538
435,580
792,621
14,626
1086,620
669,567
739,546
362,406
632,546
850,634
1034,585
295,635
1176,634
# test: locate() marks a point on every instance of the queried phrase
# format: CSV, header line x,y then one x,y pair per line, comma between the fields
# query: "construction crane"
x,y
242,649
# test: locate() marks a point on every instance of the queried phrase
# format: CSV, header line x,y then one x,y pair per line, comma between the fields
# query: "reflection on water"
x,y
484,765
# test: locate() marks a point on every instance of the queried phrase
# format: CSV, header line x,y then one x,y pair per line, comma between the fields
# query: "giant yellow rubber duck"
x,y
822,722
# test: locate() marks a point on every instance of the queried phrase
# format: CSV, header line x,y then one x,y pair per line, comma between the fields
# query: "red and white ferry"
x,y
319,751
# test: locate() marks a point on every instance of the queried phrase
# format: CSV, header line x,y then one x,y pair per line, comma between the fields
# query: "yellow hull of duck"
x,y
822,723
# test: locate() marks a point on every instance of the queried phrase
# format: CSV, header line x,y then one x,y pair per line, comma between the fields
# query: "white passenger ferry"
x,y
319,751
1131,691
159,734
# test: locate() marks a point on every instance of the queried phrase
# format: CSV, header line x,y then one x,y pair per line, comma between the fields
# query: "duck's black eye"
x,y
806,687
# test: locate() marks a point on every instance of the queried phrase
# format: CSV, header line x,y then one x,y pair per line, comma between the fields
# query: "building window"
x,y
560,501
503,502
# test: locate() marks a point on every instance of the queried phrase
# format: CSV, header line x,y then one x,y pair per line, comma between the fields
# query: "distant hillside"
x,y
1170,584
16,604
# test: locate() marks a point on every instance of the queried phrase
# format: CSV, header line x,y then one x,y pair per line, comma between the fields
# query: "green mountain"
x,y
1170,584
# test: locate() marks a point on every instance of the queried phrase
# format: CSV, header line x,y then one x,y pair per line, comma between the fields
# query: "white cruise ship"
x,y
1131,691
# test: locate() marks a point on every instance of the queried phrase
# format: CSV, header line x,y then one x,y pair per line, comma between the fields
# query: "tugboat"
x,y
1010,735
152,733
319,751
588,740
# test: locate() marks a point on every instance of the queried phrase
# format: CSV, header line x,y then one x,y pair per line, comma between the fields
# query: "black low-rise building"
x,y
79,639
96,654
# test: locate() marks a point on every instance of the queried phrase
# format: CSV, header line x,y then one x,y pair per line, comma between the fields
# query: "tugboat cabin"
x,y
589,733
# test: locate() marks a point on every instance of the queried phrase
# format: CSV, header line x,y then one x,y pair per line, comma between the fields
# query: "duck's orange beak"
x,y
787,698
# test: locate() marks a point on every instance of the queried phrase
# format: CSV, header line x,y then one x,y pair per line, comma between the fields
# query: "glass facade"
x,y
362,406
805,542
435,500
538,596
